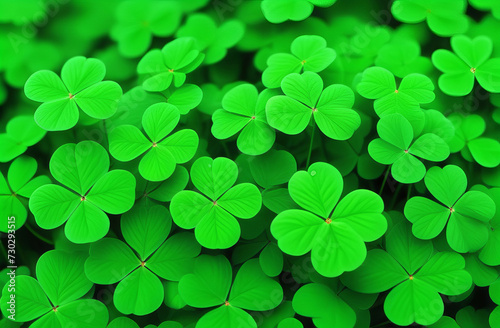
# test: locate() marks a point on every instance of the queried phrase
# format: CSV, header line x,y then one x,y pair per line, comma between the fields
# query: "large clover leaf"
x,y
21,132
145,229
162,152
466,214
92,191
304,97
210,285
53,300
334,231
212,212
279,11
80,86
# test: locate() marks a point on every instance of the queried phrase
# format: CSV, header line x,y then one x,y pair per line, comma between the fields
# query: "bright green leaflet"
x,y
304,97
492,5
273,168
465,214
279,11
489,254
91,191
334,231
244,109
123,322
79,87
210,285
403,57
396,147
21,132
212,212
162,152
184,98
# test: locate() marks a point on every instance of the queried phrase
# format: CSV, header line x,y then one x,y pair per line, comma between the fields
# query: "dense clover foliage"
x,y
250,164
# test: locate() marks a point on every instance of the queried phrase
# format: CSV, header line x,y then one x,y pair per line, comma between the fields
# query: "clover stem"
x,y
384,181
37,235
105,132
396,193
4,252
310,145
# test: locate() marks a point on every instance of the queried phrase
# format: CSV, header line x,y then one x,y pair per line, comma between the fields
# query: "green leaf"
x,y
271,260
485,151
52,205
159,120
87,224
218,229
213,176
57,115
396,130
226,317
305,88
157,165
243,200
123,322
188,208
126,142
430,147
447,184
376,82
113,192
280,11
428,217
408,169
45,86
182,145
21,132
72,314
273,168
100,100
287,115
79,73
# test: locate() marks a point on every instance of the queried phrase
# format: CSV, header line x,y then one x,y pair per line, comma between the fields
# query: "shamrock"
x,y
162,153
472,145
304,97
467,213
243,109
17,189
403,57
83,169
444,17
53,299
308,54
170,64
138,21
210,285
213,40
335,232
470,61
212,211
395,148
145,229
414,273
415,89
80,86
279,11
21,132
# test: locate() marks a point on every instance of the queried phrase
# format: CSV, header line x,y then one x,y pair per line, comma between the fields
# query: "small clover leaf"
x,y
162,152
18,188
210,285
21,132
304,98
91,191
212,212
466,214
55,299
80,86
184,98
334,231
279,11
308,53
469,61
396,147
403,57
243,109
169,65
123,322
145,229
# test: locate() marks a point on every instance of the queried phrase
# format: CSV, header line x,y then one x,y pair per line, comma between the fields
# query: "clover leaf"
x,y
309,53
184,98
465,214
54,298
396,147
403,57
243,109
138,21
415,89
123,322
80,86
334,231
210,285
279,11
21,132
162,152
444,17
469,61
492,5
137,267
213,40
169,65
489,254
415,276
304,98
17,189
90,192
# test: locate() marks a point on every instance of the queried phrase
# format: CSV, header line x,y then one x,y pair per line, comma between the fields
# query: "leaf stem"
x,y
384,181
105,133
396,193
37,235
310,145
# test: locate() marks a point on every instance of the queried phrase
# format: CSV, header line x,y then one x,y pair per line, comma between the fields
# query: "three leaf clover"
x,y
396,147
279,11
150,255
212,212
304,98
54,299
15,191
21,132
210,285
465,214
469,61
414,273
308,53
334,231
80,86
162,152
90,192
244,109
170,64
